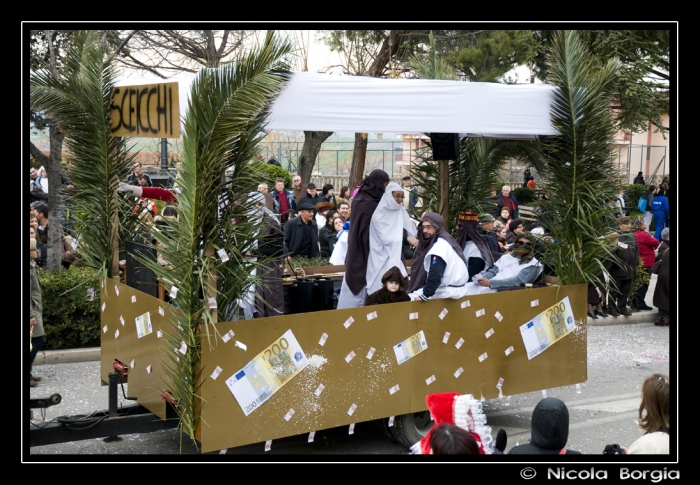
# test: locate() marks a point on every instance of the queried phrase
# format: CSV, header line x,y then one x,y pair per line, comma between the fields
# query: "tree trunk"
x,y
53,169
309,151
359,154
444,167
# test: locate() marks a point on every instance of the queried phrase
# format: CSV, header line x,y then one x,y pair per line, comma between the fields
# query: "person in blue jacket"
x,y
660,208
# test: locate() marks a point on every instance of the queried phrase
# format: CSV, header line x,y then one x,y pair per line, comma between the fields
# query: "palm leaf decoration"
x,y
224,123
473,175
78,99
579,161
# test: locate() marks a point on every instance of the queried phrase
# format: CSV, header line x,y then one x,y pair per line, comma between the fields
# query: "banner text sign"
x,y
146,110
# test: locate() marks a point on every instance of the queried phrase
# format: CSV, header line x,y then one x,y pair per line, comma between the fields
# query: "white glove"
x,y
134,189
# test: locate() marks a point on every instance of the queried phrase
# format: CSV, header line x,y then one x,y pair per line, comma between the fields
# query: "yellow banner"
x,y
147,110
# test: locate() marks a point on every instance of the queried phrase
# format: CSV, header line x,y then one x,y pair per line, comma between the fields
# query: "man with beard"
x,y
477,252
517,268
444,266
353,291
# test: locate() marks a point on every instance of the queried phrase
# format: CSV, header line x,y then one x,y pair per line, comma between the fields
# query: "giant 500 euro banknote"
x,y
411,346
267,372
548,327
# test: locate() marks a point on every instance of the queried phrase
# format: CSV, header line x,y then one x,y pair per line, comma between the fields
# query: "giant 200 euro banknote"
x,y
548,327
267,372
411,346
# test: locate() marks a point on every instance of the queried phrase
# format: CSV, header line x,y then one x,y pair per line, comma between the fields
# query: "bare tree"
x,y
167,52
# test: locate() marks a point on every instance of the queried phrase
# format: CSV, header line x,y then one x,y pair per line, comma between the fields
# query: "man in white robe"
x,y
386,236
516,268
447,273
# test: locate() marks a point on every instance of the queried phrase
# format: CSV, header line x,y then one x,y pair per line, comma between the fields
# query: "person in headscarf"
x,y
392,290
445,269
477,254
353,291
386,236
517,268
269,297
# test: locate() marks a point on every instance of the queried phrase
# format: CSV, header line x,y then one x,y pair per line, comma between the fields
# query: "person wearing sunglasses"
x,y
517,268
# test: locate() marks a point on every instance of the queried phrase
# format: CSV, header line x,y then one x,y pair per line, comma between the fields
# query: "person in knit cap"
x,y
393,289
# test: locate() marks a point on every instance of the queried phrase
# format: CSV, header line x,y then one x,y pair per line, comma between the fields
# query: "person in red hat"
x,y
463,411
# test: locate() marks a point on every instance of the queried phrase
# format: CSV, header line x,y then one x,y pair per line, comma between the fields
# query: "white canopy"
x,y
319,102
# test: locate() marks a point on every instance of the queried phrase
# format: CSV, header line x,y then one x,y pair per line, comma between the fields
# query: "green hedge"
x,y
525,195
71,320
270,174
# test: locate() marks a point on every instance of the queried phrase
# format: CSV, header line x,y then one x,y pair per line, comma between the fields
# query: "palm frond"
x,y
579,161
226,114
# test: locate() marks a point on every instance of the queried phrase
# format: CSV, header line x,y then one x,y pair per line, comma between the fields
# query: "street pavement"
x,y
622,351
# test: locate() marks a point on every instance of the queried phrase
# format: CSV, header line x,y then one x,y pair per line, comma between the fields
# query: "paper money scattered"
x,y
231,334
507,401
180,327
413,345
161,310
509,350
223,452
173,292
319,389
349,321
104,305
268,445
446,337
483,357
289,415
222,254
148,369
394,389
498,316
91,293
311,437
104,329
391,421
372,316
500,383
225,337
465,304
133,298
351,429
430,379
350,356
578,388
489,332
121,319
568,164
443,313
324,337
183,347
267,372
352,409
216,372
241,345
212,302
413,316
159,334
131,365
534,303
480,313
544,393
459,342
370,353
116,289
116,334
458,372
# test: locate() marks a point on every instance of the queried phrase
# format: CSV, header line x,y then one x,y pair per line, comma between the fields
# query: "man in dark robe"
x,y
476,249
353,291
